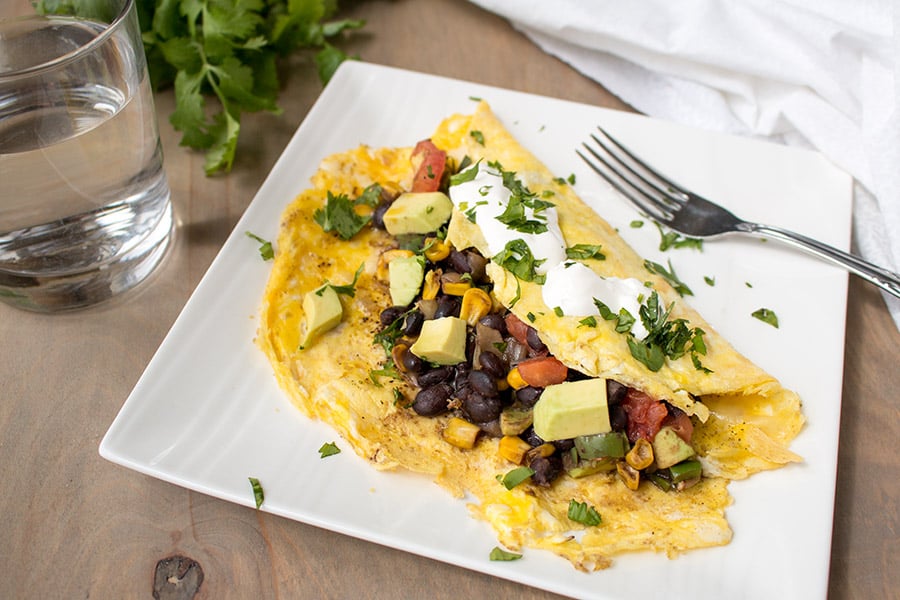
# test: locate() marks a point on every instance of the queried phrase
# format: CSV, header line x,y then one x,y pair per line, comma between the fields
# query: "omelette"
x,y
454,309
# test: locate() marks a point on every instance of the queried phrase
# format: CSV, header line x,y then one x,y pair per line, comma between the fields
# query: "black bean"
x,y
447,306
390,314
378,214
482,409
615,392
492,364
618,418
412,325
459,262
546,469
483,383
533,439
434,376
432,401
534,340
477,264
494,321
564,445
492,428
411,362
528,396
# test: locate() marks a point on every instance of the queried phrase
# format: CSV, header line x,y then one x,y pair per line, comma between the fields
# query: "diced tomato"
x,y
431,170
645,415
517,328
681,424
544,371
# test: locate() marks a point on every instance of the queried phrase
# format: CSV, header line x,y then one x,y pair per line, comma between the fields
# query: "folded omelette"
x,y
487,409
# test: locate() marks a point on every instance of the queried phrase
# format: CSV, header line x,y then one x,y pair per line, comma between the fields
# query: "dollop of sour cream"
x,y
569,285
573,286
486,198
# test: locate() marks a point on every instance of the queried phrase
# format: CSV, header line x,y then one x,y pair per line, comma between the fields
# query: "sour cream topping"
x,y
573,286
569,285
486,198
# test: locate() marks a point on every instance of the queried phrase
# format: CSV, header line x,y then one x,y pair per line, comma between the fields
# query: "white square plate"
x,y
207,413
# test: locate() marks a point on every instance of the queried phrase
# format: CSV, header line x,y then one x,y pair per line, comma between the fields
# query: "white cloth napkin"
x,y
822,74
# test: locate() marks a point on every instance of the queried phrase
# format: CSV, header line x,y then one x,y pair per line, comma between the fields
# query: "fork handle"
x,y
886,280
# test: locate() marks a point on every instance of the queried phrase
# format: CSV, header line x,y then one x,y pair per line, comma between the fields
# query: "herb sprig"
x,y
228,50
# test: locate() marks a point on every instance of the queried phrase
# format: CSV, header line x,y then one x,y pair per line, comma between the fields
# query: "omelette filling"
x,y
468,356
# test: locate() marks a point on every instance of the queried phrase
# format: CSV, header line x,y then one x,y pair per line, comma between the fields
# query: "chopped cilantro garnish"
x,y
348,289
328,449
516,258
666,338
585,252
465,174
340,216
670,276
558,311
588,322
498,553
766,316
265,247
636,224
258,496
673,239
515,477
477,136
710,281
582,512
531,317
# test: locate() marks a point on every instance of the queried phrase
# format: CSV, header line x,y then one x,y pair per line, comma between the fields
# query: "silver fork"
x,y
683,211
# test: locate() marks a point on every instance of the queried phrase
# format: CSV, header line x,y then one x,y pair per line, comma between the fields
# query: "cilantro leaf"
x,y
766,316
265,247
582,512
227,51
328,449
258,495
670,276
498,553
516,257
339,215
585,252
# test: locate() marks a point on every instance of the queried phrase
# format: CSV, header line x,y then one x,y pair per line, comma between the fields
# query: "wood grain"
x,y
76,526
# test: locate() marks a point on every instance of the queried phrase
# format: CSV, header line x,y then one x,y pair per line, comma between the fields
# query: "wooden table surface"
x,y
76,526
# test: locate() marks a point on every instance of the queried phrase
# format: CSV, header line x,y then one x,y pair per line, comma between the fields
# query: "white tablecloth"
x,y
822,74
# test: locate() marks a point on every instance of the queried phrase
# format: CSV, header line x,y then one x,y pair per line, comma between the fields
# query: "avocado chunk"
x,y
570,409
669,449
405,275
417,212
322,312
441,341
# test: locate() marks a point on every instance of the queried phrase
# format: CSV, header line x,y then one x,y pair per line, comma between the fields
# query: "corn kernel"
x,y
641,455
460,433
513,448
456,288
431,285
514,379
436,250
476,303
630,476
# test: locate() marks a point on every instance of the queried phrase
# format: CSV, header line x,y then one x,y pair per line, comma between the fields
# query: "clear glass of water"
x,y
84,203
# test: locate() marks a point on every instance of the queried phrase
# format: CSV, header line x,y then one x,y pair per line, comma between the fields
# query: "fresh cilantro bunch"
x,y
228,50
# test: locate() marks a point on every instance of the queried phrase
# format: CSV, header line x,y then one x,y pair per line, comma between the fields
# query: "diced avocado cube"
x,y
441,341
405,275
669,449
567,410
322,311
417,212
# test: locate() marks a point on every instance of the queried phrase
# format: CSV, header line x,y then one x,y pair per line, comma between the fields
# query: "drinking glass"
x,y
84,202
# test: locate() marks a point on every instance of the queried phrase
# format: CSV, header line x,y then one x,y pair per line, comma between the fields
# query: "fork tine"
x,y
647,203
682,194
